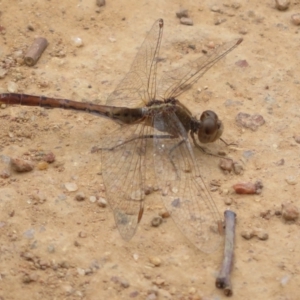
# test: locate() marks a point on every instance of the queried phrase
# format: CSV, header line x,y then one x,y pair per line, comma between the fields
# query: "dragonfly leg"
x,y
170,153
149,136
205,151
228,144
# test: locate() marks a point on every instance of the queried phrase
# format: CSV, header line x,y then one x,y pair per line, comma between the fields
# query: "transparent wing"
x,y
139,84
177,81
185,194
124,174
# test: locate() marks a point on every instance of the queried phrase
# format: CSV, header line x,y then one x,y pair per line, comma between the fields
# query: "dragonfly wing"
x,y
139,85
123,170
185,194
175,82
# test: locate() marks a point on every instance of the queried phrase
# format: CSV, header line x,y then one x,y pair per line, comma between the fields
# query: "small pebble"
x,y
134,294
226,164
82,234
77,42
77,244
81,271
28,278
124,283
186,21
88,271
71,186
148,189
289,211
102,202
243,31
295,18
51,249
68,289
219,21
64,264
211,45
267,214
80,196
156,221
282,4
244,188
93,199
242,63
21,165
5,173
249,121
297,139
280,162
30,27
182,13
12,87
216,9
247,235
156,261
192,290
228,201
100,3
291,180
27,255
238,168
159,281
165,214
38,197
49,157
151,297
42,165
262,235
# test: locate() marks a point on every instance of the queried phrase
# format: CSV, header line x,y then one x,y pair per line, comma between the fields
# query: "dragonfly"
x,y
153,142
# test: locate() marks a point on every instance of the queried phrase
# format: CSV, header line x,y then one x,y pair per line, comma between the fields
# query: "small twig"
x,y
223,280
35,51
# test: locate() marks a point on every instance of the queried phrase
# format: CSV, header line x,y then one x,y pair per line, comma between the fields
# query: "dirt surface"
x,y
53,246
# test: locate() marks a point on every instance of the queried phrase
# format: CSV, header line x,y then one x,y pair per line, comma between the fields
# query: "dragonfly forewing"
x,y
139,84
175,82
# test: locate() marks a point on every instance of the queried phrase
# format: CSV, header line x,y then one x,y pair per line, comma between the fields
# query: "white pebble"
x,y
295,18
284,280
186,21
102,202
12,87
291,180
282,4
71,186
93,199
81,271
77,42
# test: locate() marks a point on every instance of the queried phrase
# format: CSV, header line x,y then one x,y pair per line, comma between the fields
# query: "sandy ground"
x,y
54,247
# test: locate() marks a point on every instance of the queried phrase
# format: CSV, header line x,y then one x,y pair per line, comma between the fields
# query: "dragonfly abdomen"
x,y
121,115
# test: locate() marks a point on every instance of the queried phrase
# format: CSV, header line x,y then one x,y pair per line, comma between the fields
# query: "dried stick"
x,y
35,51
223,280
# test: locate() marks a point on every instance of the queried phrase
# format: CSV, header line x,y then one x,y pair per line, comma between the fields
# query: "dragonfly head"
x,y
211,127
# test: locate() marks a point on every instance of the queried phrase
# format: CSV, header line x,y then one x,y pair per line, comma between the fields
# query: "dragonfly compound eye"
x,y
211,127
